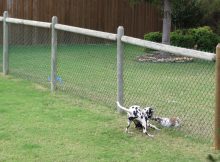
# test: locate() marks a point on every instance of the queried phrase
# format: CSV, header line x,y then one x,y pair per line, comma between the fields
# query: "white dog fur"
x,y
168,122
135,113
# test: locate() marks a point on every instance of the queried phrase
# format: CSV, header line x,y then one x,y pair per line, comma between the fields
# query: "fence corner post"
x,y
53,54
217,106
120,57
5,45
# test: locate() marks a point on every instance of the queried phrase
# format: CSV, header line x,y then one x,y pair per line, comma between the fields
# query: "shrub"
x,y
182,40
153,36
203,38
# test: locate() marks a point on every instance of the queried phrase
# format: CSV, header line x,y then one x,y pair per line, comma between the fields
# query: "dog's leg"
x,y
144,124
137,124
153,126
129,123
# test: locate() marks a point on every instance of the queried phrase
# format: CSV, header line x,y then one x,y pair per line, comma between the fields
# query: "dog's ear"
x,y
151,109
154,119
158,119
150,112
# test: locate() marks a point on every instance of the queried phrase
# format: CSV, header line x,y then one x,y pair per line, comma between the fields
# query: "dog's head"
x,y
148,112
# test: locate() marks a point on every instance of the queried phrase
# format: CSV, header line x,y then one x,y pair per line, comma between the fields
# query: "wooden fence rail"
x,y
125,39
87,32
169,48
28,22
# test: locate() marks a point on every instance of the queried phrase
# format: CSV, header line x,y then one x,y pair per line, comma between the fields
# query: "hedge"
x,y
202,38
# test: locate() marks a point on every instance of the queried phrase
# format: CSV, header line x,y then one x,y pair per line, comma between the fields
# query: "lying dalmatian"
x,y
168,122
139,116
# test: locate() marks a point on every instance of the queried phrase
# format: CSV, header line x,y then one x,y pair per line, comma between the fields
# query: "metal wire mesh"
x,y
184,90
1,44
29,53
87,67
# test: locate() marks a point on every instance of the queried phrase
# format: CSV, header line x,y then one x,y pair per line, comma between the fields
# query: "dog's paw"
x,y
150,135
131,132
126,131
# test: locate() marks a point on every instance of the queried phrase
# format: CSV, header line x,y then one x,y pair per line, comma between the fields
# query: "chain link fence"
x,y
184,89
86,67
29,53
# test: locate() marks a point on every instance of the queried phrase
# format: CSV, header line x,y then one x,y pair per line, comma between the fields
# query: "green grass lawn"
x,y
38,126
186,90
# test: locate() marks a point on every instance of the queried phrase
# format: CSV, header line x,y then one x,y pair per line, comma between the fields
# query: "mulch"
x,y
157,57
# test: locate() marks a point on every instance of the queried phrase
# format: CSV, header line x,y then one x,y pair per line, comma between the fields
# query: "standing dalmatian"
x,y
137,115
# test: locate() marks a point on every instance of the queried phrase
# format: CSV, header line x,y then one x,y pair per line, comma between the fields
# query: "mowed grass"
x,y
38,126
186,90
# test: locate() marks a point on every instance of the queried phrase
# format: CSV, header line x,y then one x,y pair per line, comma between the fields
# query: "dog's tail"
x,y
123,108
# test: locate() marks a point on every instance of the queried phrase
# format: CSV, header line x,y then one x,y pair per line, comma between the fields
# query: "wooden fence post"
x,y
53,54
5,45
217,108
120,57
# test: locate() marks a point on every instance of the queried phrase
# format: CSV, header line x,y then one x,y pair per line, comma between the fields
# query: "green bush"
x,y
182,40
153,36
203,38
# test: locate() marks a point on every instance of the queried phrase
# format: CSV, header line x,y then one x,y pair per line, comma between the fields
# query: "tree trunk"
x,y
166,22
166,27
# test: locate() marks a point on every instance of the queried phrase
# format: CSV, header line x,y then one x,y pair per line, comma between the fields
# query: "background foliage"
x,y
201,38
186,13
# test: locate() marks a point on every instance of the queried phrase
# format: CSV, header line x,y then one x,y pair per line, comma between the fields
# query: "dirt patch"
x,y
161,58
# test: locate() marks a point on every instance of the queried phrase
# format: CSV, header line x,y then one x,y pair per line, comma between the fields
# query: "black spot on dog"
x,y
135,113
137,124
132,118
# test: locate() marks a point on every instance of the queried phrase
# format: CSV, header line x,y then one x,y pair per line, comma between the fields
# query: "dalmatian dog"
x,y
168,122
139,117
148,111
